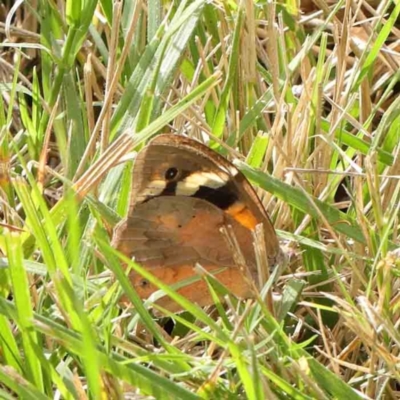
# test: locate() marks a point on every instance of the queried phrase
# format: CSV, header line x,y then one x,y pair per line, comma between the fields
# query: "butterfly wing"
x,y
170,235
203,174
174,223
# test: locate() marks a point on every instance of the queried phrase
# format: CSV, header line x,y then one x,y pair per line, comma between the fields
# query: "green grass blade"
x,y
24,308
296,198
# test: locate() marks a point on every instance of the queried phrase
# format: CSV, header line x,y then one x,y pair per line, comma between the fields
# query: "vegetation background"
x,y
302,94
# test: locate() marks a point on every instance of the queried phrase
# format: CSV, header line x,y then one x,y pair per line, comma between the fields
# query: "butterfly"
x,y
182,194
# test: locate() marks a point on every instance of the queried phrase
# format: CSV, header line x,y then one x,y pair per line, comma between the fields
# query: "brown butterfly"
x,y
182,194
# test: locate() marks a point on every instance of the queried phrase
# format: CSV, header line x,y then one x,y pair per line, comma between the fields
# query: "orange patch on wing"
x,y
196,292
243,215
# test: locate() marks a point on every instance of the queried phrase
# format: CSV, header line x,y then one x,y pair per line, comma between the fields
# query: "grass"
x,y
303,100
